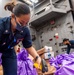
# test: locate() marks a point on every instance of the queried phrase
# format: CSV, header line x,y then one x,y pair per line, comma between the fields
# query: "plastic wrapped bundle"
x,y
24,64
66,69
64,64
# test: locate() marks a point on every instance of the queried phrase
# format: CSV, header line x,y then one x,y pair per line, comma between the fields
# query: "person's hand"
x,y
38,61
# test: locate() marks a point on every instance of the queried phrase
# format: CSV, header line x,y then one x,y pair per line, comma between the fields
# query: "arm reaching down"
x,y
34,54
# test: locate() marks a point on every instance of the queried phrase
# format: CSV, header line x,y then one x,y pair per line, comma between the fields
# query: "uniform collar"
x,y
7,21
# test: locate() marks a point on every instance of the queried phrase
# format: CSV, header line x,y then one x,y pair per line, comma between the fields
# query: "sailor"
x,y
14,29
69,43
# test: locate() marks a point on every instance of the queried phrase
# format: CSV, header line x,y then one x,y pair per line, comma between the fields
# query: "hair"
x,y
65,39
18,9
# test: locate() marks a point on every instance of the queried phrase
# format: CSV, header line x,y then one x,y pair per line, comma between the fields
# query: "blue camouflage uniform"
x,y
7,42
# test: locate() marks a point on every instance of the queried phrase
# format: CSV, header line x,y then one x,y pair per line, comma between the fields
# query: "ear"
x,y
12,15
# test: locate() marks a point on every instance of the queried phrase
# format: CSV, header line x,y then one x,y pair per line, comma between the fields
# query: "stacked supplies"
x,y
46,52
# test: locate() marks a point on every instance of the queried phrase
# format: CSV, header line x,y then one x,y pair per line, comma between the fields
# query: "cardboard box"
x,y
1,70
48,55
46,52
48,49
41,51
51,70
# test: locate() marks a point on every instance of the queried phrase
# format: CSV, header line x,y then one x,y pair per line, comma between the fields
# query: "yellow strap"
x,y
37,66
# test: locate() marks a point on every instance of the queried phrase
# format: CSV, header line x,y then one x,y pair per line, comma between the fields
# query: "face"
x,y
23,19
66,42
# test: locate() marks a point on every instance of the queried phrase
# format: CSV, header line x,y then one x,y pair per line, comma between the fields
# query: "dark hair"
x,y
65,39
18,9
9,6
